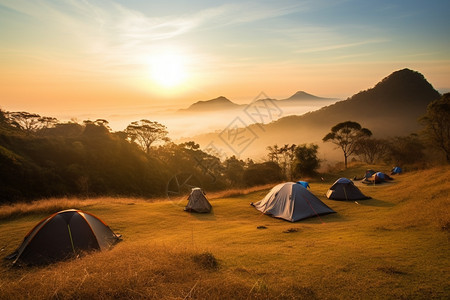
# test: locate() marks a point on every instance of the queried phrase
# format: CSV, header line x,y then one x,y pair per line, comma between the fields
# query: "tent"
x,y
62,235
304,183
197,202
345,189
292,202
396,170
378,177
369,174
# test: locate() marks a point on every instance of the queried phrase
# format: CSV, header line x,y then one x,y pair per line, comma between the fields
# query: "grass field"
x,y
395,246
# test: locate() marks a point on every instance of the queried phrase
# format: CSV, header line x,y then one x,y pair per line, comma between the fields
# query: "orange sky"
x,y
76,58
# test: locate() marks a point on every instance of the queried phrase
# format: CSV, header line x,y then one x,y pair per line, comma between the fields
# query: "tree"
x,y
405,150
437,124
288,154
306,160
346,136
30,122
145,133
274,151
234,169
371,150
263,173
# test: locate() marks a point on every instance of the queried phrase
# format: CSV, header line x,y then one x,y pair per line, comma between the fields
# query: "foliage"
x,y
262,173
437,124
306,160
405,150
30,122
371,150
87,162
234,170
145,133
346,136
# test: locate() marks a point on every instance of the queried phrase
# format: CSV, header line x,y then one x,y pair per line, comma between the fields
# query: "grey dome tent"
x,y
62,235
345,189
292,202
197,202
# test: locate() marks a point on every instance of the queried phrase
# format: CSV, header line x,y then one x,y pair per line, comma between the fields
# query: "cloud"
x,y
341,46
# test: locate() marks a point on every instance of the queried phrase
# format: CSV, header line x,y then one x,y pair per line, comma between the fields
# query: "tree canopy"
x,y
437,124
145,133
346,136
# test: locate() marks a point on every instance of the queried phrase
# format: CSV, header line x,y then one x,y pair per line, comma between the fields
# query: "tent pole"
x,y
71,240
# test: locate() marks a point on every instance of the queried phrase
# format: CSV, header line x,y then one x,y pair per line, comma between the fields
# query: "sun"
x,y
168,70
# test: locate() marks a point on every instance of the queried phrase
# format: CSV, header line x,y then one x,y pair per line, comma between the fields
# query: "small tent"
x,y
304,183
292,202
345,189
197,202
378,177
62,235
396,170
369,174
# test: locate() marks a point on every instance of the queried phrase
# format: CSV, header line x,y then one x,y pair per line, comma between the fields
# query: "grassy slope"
x,y
392,246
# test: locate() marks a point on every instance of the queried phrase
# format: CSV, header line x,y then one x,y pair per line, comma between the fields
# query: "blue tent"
x,y
396,170
304,183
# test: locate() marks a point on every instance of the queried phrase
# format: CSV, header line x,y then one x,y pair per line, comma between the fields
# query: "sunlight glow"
x,y
168,70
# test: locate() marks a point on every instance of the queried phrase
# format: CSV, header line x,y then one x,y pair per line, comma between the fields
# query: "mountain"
x,y
302,96
219,103
390,108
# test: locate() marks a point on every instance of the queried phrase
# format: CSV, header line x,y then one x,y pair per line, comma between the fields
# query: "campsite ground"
x,y
394,245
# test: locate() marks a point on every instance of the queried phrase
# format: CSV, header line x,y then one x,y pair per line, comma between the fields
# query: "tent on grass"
x,y
396,170
62,235
197,202
304,183
345,189
292,202
378,177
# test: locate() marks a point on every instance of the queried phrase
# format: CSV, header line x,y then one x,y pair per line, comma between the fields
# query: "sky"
x,y
68,58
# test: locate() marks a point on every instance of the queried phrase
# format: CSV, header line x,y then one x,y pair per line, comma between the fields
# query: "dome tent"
x,y
345,189
292,202
197,202
62,235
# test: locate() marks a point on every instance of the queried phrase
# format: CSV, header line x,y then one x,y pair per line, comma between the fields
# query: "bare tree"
x,y
346,135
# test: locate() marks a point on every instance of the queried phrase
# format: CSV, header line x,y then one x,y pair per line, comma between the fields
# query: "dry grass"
x,y
392,246
239,191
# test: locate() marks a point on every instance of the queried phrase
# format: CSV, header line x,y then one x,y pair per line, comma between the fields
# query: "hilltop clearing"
x,y
393,246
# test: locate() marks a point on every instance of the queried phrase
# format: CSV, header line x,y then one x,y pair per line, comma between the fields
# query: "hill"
x,y
394,246
216,104
222,103
302,96
390,108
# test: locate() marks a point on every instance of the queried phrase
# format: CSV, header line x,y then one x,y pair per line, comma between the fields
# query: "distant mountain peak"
x,y
302,95
218,103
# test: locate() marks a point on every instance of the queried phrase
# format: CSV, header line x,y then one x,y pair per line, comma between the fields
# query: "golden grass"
x,y
392,246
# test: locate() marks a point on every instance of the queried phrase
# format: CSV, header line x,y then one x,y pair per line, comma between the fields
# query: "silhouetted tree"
x,y
371,150
346,135
274,152
405,150
234,169
288,154
437,124
306,160
263,173
30,122
145,133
